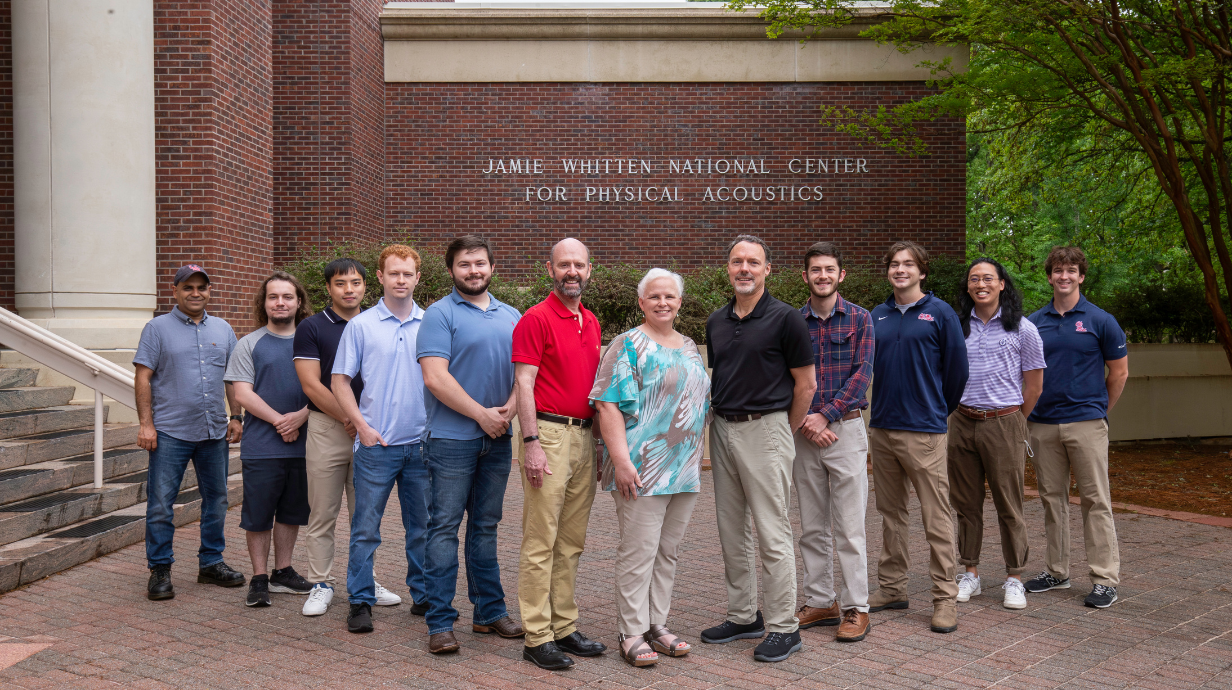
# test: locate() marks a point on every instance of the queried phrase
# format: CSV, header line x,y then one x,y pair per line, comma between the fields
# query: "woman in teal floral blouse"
x,y
652,396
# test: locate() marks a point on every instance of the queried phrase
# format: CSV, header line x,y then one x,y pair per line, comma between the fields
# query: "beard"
x,y
813,289
467,290
281,320
568,289
745,290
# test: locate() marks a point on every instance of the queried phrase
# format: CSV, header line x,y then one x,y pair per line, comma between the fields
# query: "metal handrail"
x,y
78,364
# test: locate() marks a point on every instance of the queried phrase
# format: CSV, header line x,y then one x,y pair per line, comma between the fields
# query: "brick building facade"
x,y
279,127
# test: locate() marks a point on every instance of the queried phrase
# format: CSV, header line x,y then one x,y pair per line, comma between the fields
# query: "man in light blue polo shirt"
x,y
379,345
465,347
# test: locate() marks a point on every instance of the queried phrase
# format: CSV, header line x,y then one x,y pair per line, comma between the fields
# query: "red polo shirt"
x,y
566,350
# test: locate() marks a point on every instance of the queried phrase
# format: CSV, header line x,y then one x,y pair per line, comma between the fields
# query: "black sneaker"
x,y
728,631
160,587
220,574
1101,597
287,581
258,591
778,646
419,608
360,619
1044,582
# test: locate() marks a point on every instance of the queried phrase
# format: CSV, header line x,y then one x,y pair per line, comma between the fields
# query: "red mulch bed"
x,y
1195,478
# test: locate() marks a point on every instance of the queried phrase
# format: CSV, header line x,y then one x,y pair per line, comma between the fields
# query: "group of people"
x,y
425,400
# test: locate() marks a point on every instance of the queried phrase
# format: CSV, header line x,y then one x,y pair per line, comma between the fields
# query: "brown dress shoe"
x,y
505,627
854,627
443,643
810,616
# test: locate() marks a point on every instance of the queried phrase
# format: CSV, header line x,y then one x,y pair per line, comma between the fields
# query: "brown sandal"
x,y
658,632
636,651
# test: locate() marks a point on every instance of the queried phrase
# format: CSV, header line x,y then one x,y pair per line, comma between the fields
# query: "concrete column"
x,y
83,76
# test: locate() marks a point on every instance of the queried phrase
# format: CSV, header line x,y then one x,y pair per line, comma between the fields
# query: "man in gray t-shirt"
x,y
179,388
262,369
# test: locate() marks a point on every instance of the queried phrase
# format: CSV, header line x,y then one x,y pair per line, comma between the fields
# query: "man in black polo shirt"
x,y
331,436
762,386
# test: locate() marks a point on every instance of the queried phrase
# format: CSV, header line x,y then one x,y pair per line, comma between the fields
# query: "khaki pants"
x,y
651,528
554,521
327,451
996,450
918,458
832,484
1083,448
751,463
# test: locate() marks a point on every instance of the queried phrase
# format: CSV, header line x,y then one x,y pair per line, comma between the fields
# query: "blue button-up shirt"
x,y
381,348
843,356
478,344
188,360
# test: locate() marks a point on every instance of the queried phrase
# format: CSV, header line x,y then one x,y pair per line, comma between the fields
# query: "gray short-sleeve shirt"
x,y
188,360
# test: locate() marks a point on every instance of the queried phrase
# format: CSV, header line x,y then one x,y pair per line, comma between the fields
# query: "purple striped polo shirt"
x,y
997,360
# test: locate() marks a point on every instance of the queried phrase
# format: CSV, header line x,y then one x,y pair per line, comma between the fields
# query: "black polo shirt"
x,y
752,358
317,338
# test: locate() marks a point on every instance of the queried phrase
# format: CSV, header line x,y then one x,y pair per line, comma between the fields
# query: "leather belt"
x,y
749,417
984,415
567,421
854,414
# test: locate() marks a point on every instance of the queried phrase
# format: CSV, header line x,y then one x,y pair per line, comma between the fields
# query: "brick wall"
x,y
6,156
212,77
441,136
329,154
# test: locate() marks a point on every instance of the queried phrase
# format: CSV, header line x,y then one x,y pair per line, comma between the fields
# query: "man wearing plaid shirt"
x,y
832,451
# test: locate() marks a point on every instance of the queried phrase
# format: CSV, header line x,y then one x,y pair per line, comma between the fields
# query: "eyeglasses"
x,y
987,280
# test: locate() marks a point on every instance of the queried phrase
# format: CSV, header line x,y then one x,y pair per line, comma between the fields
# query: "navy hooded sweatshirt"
x,y
920,370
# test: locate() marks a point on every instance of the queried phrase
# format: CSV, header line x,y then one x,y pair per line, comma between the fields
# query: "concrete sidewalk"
x,y
93,627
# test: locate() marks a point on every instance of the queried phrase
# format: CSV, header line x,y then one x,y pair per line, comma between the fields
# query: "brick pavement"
x,y
1170,629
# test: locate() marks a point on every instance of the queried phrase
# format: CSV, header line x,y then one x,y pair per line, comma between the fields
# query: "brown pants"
x,y
996,450
901,458
1081,447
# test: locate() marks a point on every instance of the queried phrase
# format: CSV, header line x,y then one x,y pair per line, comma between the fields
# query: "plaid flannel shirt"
x,y
843,356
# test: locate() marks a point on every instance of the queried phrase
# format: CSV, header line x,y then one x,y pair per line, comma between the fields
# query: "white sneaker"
x,y
318,599
1015,594
968,586
384,597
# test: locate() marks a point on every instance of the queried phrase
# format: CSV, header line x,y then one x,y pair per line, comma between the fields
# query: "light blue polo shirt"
x,y
381,348
479,346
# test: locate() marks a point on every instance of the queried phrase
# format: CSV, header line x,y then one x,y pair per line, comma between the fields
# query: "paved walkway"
x,y
93,627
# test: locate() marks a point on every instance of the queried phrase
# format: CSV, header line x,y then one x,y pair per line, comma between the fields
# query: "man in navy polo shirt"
x,y
465,348
919,375
1069,427
331,435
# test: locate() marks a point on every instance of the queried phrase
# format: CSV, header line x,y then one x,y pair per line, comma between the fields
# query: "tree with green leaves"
x,y
1139,83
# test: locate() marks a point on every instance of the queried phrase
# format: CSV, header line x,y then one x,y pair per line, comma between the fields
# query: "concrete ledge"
x,y
635,44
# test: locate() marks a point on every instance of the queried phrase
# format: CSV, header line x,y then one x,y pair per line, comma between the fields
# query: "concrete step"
x,y
27,422
57,445
28,560
29,481
18,377
34,397
50,511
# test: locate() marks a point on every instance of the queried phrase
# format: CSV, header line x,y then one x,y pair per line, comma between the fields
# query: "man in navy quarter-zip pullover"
x,y
919,375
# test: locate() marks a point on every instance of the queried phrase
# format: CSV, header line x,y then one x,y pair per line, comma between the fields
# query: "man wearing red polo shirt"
x,y
556,355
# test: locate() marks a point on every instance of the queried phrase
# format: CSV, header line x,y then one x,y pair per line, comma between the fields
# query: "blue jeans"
x,y
167,464
466,476
376,470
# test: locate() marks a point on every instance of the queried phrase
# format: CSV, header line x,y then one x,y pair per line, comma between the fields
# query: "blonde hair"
x,y
656,273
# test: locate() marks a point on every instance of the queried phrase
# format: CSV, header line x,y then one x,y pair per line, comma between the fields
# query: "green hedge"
x,y
612,294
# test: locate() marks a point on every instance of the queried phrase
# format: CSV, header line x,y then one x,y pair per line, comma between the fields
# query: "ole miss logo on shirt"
x,y
1078,328
926,317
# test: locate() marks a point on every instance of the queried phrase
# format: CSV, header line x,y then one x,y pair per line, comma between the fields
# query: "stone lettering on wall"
x,y
789,180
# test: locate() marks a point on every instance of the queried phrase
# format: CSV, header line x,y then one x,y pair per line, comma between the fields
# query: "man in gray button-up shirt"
x,y
180,363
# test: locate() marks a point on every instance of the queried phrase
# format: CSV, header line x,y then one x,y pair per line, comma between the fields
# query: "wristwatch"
x,y
528,439
237,417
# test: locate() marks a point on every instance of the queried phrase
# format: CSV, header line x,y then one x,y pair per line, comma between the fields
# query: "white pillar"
x,y
83,78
